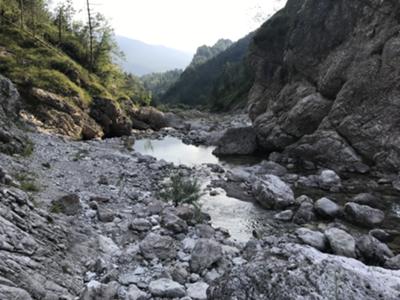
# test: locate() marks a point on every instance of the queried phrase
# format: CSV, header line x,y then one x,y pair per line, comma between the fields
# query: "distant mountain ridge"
x,y
220,83
142,59
205,53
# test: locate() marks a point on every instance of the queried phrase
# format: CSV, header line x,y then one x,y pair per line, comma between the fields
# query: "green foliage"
x,y
220,83
50,52
180,190
56,208
29,147
159,83
27,182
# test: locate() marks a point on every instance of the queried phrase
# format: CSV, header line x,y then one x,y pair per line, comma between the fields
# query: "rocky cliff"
x,y
327,87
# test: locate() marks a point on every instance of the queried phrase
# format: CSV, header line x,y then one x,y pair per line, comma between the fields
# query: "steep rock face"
x,y
62,116
327,85
10,140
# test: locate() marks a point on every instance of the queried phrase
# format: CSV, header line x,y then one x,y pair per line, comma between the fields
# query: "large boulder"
x,y
166,288
151,116
111,118
205,253
325,86
287,271
272,193
237,141
341,242
363,215
157,246
305,213
372,251
326,208
315,239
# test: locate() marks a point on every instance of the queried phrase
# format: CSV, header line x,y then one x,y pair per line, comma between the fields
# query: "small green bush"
x,y
28,149
56,208
27,182
29,186
179,190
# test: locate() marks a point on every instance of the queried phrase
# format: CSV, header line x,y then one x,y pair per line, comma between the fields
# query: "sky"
x,y
184,24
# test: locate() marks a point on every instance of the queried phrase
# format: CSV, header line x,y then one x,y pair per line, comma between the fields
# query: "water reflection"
x,y
174,150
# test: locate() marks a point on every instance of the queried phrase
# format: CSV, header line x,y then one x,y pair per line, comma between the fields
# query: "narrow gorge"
x,y
268,169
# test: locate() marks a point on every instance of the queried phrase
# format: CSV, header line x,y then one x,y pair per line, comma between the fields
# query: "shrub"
x,y
179,190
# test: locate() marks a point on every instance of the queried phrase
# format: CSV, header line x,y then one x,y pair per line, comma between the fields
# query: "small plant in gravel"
x,y
28,149
27,183
56,208
180,190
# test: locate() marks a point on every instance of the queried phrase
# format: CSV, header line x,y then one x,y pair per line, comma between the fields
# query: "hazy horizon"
x,y
183,24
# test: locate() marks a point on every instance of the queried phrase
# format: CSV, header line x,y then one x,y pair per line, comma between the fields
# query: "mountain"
x,y
220,83
142,58
205,53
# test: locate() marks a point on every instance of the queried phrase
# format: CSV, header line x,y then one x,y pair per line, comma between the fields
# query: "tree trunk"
x,y
90,36
21,16
60,16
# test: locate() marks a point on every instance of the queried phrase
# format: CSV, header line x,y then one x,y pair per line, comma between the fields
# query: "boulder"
x,y
96,290
110,117
180,274
197,291
154,118
134,293
341,242
272,193
237,141
205,253
363,215
140,225
305,213
328,179
288,271
171,221
312,238
365,199
393,263
157,246
105,215
167,288
9,292
326,208
372,251
69,205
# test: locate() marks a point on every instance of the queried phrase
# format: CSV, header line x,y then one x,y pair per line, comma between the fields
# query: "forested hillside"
x,y
159,83
220,83
50,56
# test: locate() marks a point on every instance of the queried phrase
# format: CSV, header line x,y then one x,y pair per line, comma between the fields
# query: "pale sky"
x,y
183,24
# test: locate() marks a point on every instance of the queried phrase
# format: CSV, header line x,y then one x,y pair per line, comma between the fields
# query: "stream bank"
x,y
82,220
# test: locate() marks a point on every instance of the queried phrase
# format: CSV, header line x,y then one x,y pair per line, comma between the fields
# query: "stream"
x,y
239,217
